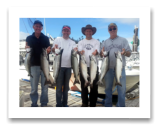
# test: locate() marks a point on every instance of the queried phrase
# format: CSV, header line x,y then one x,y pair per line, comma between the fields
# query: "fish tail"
x,y
76,81
54,80
117,83
47,82
86,84
99,82
91,85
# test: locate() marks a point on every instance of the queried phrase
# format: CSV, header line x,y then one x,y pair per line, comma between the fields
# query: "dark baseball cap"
x,y
38,22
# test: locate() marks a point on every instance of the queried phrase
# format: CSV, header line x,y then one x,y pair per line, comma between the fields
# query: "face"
x,y
37,28
66,33
88,33
113,32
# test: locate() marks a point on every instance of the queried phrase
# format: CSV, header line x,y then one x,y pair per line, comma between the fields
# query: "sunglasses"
x,y
112,29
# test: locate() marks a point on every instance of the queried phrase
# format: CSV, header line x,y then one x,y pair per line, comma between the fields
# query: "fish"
x,y
118,68
83,69
93,69
104,68
45,66
57,64
27,63
75,66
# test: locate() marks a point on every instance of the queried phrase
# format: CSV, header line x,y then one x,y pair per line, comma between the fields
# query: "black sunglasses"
x,y
112,29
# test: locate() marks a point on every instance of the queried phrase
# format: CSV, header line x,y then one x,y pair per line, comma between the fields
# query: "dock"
x,y
74,98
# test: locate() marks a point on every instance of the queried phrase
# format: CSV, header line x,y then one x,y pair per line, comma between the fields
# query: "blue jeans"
x,y
62,80
109,77
36,72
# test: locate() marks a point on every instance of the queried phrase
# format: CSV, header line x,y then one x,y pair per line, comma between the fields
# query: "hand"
x,y
48,50
123,52
82,52
103,49
76,49
94,53
56,46
27,46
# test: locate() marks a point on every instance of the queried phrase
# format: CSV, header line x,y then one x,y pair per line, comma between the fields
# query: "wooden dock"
x,y
74,100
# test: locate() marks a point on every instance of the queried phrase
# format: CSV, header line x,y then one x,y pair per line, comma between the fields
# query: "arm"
x,y
55,46
126,51
80,48
48,47
27,44
102,48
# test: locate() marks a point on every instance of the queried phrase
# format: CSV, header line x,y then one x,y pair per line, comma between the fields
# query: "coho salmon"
x,y
45,66
83,68
104,68
75,66
93,69
118,68
57,65
27,63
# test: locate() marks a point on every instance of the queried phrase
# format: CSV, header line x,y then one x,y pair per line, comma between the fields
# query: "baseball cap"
x,y
112,24
38,22
66,27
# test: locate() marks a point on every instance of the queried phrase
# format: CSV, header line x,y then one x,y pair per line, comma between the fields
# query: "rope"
x,y
132,98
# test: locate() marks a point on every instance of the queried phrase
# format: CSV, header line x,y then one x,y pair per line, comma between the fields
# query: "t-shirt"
x,y
89,46
67,46
115,45
36,44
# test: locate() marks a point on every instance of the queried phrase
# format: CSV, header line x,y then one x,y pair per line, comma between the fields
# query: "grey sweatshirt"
x,y
115,45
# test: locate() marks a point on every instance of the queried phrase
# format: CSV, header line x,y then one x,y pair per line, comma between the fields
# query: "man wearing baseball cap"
x,y
114,44
36,42
64,75
89,46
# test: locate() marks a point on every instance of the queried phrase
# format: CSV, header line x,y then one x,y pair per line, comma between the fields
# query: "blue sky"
x,y
54,25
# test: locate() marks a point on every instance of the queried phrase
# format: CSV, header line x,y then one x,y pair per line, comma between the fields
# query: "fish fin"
x,y
91,85
87,76
118,84
99,83
47,82
115,54
76,81
86,84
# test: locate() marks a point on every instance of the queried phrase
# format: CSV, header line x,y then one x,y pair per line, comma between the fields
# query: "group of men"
x,y
87,46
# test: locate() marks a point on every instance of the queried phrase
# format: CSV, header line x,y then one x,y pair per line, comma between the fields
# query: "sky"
x,y
15,13
53,27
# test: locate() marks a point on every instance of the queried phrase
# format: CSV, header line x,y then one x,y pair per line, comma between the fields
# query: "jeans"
x,y
36,72
62,80
109,78
93,91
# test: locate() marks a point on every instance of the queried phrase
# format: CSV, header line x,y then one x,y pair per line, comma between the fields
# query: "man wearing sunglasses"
x,y
64,75
114,44
36,42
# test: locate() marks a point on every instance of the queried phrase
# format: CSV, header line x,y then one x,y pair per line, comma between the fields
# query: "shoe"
x,y
44,106
84,105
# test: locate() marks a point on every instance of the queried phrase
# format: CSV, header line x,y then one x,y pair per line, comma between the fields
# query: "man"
x,y
89,46
36,42
64,75
114,44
